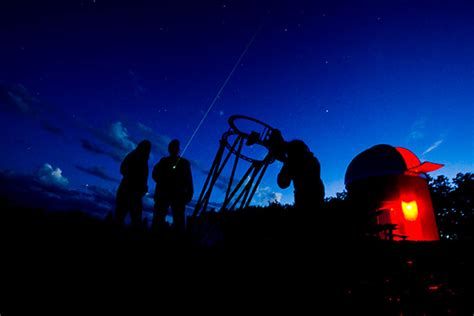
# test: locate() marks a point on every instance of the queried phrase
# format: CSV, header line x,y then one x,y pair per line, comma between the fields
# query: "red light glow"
x,y
408,206
433,287
410,210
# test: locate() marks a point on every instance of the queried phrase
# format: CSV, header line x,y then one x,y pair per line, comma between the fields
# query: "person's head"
x,y
144,148
296,148
173,148
277,145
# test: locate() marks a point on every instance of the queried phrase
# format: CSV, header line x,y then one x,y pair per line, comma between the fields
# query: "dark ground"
x,y
67,262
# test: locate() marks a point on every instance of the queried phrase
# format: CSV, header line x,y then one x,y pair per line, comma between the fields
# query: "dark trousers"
x,y
309,209
177,209
126,203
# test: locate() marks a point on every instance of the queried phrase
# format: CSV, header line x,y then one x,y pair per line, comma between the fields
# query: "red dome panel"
x,y
411,160
414,164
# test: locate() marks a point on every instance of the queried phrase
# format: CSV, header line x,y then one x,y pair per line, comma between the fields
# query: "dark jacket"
x,y
174,181
134,170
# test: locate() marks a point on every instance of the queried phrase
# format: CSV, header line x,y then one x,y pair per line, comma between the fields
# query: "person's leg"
x,y
136,212
303,222
121,208
159,213
178,217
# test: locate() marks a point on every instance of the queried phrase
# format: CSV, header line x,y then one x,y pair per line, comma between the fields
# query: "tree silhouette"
x,y
454,206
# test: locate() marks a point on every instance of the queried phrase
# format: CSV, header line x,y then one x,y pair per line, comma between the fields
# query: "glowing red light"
x,y
410,210
433,287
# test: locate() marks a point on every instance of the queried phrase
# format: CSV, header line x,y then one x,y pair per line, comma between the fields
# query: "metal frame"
x,y
242,193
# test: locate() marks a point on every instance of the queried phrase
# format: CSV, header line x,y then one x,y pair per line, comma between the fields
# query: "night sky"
x,y
81,82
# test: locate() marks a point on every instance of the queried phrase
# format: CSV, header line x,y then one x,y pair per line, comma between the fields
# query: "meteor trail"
x,y
221,89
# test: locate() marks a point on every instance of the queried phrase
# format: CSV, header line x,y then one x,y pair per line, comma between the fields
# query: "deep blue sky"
x,y
83,81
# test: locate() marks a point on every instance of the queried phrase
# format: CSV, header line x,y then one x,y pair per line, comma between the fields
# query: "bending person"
x,y
303,168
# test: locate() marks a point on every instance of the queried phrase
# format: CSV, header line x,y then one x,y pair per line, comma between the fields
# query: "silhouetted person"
x,y
174,187
277,145
303,168
133,187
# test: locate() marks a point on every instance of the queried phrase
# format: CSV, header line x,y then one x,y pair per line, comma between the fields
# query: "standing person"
x,y
174,187
133,186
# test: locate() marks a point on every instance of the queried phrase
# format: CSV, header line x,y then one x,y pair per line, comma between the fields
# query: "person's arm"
x,y
277,145
284,178
189,183
156,172
125,166
145,178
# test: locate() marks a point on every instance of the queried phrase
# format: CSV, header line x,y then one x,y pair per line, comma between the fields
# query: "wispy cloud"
x,y
160,142
49,127
435,145
119,137
102,195
97,172
92,147
417,130
114,135
17,97
138,88
19,102
48,189
98,150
